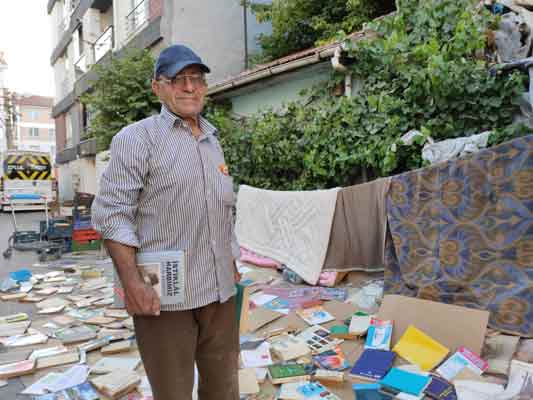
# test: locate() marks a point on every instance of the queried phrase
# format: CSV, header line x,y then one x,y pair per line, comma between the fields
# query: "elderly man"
x,y
167,188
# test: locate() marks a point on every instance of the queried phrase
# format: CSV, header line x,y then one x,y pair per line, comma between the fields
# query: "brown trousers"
x,y
170,344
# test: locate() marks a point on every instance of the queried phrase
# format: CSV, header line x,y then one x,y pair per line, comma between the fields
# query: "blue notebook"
x,y
373,364
440,388
369,391
403,381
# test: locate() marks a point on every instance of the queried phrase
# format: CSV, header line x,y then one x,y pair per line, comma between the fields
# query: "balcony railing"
x,y
103,44
81,66
138,17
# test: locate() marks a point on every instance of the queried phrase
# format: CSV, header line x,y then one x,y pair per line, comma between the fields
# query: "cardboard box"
x,y
451,325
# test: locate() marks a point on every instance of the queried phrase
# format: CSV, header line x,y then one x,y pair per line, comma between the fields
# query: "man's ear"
x,y
155,87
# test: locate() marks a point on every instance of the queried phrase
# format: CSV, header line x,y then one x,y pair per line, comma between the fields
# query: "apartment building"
x,y
87,32
35,127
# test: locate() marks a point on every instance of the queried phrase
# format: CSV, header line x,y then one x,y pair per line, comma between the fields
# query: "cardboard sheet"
x,y
451,325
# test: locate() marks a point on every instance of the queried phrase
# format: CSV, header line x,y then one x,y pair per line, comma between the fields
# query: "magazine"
x,y
164,271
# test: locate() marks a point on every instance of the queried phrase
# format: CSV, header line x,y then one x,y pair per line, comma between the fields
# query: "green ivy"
x,y
426,70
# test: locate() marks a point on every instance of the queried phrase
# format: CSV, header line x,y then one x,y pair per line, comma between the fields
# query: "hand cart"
x,y
31,240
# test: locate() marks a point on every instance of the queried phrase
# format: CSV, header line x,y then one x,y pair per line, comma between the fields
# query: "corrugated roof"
x,y
284,64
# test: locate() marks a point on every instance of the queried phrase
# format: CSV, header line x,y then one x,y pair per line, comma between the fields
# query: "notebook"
x,y
420,349
404,381
373,364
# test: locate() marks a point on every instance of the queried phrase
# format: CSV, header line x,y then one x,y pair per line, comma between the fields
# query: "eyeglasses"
x,y
180,81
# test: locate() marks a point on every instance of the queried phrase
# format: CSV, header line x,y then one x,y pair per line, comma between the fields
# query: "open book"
x,y
164,271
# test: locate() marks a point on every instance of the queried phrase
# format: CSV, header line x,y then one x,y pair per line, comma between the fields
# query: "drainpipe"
x,y
338,66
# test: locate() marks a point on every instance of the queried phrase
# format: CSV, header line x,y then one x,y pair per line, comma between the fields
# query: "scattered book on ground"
x,y
359,324
248,381
403,381
58,359
51,310
462,358
109,364
315,315
289,347
259,357
318,339
440,389
75,334
420,349
285,373
20,368
18,317
117,383
379,334
373,364
14,328
13,296
369,391
327,377
333,360
117,347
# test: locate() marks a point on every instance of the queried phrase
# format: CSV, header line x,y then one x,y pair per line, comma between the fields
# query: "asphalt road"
x,y
26,220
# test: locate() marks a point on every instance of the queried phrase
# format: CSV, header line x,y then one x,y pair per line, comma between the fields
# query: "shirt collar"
x,y
171,119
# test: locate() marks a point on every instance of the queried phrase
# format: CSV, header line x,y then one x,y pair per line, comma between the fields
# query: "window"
x,y
34,115
34,132
52,134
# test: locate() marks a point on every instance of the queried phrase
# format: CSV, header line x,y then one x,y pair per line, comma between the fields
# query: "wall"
x,y
106,19
121,8
55,19
64,182
84,175
273,92
214,29
61,132
255,29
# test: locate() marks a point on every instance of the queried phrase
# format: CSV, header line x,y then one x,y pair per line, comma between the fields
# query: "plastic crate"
x,y
81,215
57,229
83,235
82,225
87,245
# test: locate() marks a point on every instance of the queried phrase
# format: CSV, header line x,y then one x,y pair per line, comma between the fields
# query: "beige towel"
x,y
357,240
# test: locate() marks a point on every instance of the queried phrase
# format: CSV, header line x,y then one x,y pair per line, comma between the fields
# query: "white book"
x,y
164,271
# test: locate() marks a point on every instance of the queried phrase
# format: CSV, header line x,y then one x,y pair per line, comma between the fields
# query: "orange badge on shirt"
x,y
224,169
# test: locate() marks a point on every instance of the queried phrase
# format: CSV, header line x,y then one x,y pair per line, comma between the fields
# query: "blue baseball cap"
x,y
175,58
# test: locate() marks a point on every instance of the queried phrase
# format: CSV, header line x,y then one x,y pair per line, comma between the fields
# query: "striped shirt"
x,y
164,189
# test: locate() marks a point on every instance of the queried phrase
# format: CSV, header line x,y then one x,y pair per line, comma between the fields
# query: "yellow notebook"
x,y
419,349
